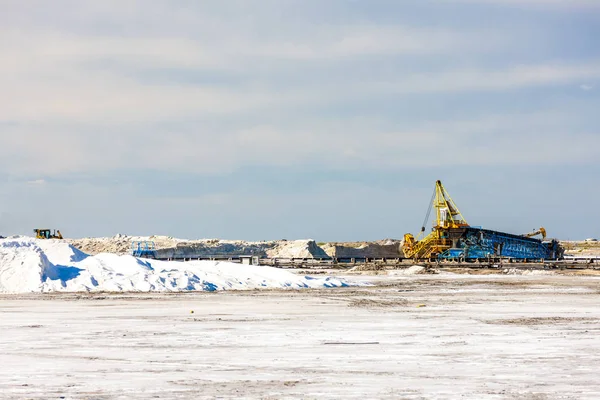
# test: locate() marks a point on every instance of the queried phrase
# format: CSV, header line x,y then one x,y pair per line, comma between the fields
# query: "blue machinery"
x,y
452,238
143,249
481,244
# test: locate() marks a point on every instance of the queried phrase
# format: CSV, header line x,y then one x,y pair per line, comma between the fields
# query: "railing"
x,y
429,245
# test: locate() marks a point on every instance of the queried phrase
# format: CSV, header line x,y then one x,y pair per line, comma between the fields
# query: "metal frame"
x,y
452,238
143,249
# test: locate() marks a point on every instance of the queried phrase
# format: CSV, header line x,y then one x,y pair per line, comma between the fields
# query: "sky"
x,y
322,119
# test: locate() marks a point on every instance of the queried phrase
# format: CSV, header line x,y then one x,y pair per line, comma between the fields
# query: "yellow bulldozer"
x,y
47,234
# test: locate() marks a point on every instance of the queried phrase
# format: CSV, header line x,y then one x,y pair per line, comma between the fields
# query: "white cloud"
x,y
55,75
352,143
52,81
77,74
568,4
477,79
37,182
586,87
81,103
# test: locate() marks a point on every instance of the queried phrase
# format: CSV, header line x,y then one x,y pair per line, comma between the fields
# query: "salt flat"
x,y
419,337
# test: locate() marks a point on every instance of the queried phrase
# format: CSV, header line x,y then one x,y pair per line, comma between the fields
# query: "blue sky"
x,y
298,119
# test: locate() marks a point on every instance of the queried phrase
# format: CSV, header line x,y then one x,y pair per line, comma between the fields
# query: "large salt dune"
x,y
31,265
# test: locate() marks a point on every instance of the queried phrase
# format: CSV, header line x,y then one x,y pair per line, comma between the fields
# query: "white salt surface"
x,y
31,265
418,337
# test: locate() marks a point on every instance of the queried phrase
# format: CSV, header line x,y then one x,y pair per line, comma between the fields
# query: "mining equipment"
x,y
47,234
541,231
452,238
143,249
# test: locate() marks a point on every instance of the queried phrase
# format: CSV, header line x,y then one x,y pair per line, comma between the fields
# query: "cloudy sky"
x,y
324,119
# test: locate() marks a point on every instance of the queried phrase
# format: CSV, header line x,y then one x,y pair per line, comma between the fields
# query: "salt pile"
x,y
297,249
31,265
515,271
414,270
170,247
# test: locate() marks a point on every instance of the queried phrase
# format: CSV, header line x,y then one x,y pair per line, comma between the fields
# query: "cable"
x,y
428,211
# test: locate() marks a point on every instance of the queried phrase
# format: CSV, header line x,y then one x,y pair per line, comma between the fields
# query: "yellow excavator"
x,y
47,234
541,231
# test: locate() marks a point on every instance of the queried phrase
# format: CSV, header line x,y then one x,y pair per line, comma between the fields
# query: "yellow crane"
x,y
451,238
448,216
541,231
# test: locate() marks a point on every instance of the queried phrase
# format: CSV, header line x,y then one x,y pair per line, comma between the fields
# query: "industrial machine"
x,y
143,249
452,238
47,234
541,231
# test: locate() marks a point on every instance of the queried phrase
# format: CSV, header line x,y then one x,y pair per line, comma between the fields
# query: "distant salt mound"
x,y
172,248
298,249
31,265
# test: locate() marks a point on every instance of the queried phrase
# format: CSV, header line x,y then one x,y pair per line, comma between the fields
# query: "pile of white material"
x,y
31,265
515,271
414,270
297,249
170,247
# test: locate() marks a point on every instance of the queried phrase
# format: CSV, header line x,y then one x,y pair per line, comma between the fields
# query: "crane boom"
x,y
541,231
448,216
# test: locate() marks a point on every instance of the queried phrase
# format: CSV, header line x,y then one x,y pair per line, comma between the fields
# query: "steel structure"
x,y
452,238
476,243
143,249
448,216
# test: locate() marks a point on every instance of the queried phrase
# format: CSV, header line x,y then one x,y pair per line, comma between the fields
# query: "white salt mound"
x,y
515,271
414,270
32,265
297,249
